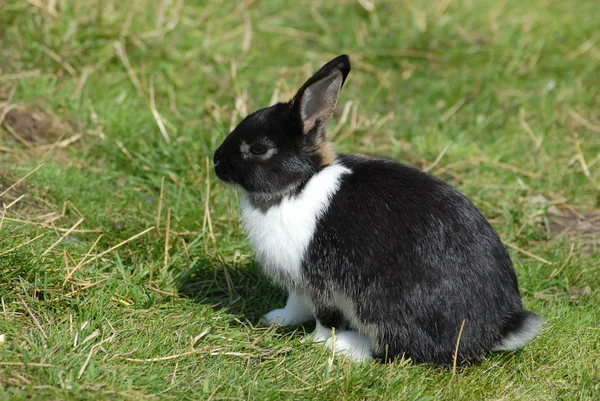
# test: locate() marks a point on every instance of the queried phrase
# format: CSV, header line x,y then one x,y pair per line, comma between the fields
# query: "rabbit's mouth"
x,y
224,169
223,172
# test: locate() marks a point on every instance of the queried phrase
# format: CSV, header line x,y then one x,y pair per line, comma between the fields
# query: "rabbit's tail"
x,y
519,330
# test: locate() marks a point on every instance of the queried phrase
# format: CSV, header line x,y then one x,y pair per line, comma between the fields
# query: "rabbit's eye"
x,y
258,149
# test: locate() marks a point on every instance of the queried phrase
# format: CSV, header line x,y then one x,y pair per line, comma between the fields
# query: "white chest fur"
x,y
281,235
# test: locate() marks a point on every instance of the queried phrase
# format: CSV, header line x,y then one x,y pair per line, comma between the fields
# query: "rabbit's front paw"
x,y
297,311
278,317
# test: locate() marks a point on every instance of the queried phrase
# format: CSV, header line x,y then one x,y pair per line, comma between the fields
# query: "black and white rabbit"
x,y
391,257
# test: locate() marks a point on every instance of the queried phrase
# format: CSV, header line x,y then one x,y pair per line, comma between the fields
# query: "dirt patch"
x,y
34,124
9,190
574,222
14,197
22,201
581,225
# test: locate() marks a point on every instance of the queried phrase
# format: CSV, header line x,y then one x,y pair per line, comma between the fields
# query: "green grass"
x,y
509,89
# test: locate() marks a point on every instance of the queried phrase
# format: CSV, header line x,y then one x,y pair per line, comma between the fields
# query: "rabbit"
x,y
388,260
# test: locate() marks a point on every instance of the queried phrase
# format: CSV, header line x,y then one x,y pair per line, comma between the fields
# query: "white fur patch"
x,y
297,311
351,344
347,342
515,341
321,333
280,236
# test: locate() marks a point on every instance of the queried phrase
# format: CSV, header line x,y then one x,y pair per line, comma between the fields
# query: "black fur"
x,y
411,255
279,127
280,174
416,258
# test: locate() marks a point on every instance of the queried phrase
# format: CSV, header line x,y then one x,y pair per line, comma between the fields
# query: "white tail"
x,y
530,326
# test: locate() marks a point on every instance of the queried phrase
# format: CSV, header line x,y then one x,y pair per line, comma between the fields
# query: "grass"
x,y
124,272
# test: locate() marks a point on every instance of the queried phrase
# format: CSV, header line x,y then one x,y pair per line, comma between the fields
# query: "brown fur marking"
x,y
326,152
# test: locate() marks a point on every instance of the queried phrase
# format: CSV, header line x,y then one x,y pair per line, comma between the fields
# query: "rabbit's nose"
x,y
217,156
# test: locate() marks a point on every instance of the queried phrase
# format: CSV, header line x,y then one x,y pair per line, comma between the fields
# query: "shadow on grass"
x,y
243,290
239,289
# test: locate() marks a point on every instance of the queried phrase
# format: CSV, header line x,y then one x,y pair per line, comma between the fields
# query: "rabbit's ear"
x,y
317,98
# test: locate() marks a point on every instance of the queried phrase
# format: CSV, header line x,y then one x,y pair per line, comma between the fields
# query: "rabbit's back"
x,y
415,258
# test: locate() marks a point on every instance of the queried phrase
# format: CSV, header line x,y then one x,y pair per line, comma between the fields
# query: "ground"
x,y
124,272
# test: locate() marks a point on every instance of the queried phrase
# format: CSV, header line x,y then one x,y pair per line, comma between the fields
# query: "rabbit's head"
x,y
276,149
